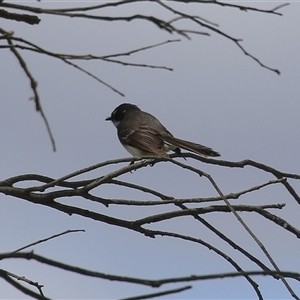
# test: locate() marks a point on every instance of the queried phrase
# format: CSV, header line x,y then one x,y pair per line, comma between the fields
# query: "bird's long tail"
x,y
190,146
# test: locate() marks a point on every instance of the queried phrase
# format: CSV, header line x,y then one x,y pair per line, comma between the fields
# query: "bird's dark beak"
x,y
108,119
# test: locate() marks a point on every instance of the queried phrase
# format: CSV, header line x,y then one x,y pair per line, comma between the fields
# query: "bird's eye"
x,y
118,114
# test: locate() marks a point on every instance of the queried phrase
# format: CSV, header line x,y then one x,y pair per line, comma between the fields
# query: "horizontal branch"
x,y
68,57
147,282
77,184
248,162
221,208
29,19
172,200
273,10
120,3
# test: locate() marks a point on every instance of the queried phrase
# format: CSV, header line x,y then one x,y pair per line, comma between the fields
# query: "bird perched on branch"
x,y
142,134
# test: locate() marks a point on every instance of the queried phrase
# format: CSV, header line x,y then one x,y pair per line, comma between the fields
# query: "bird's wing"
x,y
146,139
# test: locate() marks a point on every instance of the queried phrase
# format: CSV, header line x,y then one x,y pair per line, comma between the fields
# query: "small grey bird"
x,y
142,134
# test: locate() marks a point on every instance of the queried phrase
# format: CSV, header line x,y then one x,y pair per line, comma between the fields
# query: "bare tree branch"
x,y
28,281
152,295
29,19
78,12
33,83
7,277
147,282
47,239
248,162
243,223
212,28
38,194
204,210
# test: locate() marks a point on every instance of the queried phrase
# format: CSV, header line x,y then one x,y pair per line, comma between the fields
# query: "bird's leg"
x,y
178,152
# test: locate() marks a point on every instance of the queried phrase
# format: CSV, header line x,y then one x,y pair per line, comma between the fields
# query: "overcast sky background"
x,y
216,96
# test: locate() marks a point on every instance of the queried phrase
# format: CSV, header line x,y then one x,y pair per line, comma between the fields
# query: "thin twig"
x,y
33,84
6,276
163,293
48,238
23,278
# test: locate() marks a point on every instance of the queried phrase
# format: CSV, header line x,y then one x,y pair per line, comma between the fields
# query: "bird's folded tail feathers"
x,y
190,146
